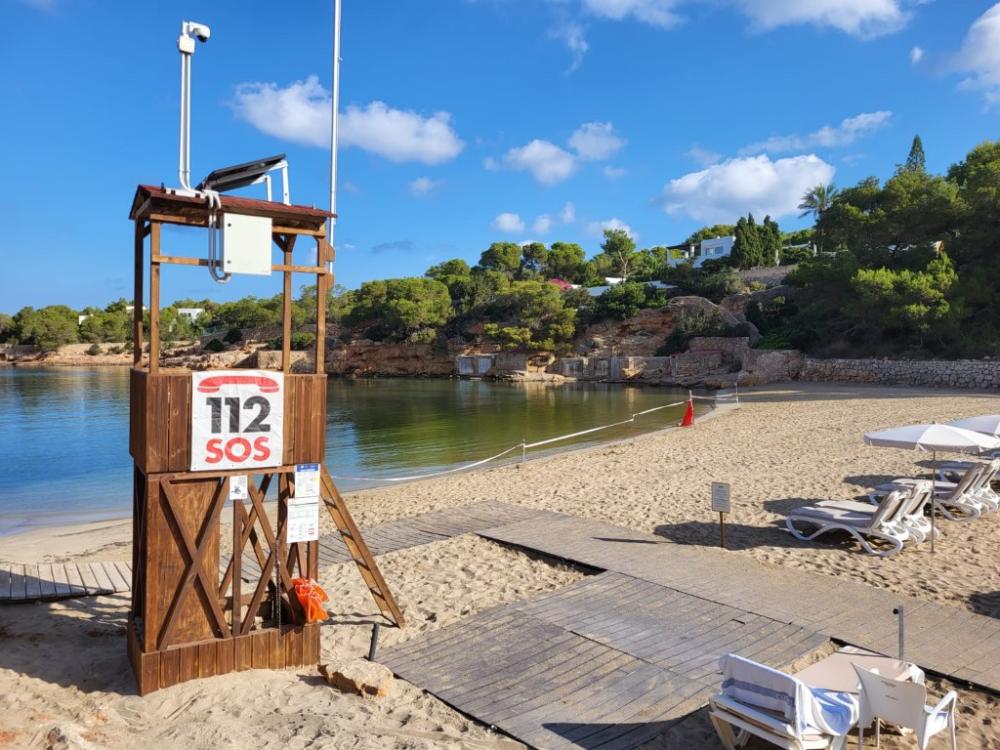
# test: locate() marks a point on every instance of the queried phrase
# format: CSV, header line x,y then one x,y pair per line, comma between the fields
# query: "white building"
x,y
191,313
713,249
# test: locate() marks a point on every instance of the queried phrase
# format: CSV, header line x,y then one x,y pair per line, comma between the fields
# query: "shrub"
x,y
233,336
93,350
215,346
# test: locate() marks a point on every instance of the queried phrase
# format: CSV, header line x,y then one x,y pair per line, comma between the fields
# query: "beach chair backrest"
x,y
760,686
989,473
969,479
889,507
899,702
920,495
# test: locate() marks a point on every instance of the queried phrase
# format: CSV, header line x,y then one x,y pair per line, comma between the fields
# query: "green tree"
x,y
533,257
8,328
770,239
453,267
402,309
748,248
915,161
110,324
905,301
532,314
814,203
566,261
619,248
504,257
621,301
47,328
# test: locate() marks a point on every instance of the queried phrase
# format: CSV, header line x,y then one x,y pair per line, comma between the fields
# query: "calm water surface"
x,y
64,432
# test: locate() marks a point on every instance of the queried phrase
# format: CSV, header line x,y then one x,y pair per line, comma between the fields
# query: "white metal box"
x,y
246,244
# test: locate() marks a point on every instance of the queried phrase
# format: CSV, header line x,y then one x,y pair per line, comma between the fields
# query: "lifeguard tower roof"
x,y
156,203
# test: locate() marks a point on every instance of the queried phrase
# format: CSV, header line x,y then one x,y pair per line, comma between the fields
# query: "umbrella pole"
x,y
933,494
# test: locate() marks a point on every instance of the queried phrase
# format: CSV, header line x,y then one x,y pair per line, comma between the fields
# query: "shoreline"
x,y
37,533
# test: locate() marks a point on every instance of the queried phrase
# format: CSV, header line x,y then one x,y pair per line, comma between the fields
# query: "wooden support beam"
x,y
322,256
286,307
286,267
154,299
192,221
140,257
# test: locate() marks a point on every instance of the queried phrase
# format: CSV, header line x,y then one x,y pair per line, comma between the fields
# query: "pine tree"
x,y
748,246
770,235
915,159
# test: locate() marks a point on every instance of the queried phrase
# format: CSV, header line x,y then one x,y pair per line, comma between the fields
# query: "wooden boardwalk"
x,y
20,583
945,639
610,661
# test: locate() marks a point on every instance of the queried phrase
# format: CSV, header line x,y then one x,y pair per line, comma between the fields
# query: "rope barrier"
x,y
524,446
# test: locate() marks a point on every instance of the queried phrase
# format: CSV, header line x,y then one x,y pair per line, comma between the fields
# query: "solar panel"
x,y
239,175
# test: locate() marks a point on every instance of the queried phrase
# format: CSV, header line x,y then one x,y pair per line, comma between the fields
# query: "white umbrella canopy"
x,y
933,437
988,424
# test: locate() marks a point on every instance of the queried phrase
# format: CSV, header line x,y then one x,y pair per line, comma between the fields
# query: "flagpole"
x,y
335,107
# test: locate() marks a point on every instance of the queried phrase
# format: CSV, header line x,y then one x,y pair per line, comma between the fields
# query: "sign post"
x,y
303,507
721,504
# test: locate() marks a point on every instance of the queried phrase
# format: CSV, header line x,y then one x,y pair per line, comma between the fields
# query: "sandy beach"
x,y
65,681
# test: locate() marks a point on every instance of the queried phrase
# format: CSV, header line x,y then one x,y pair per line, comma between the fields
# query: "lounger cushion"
x,y
827,514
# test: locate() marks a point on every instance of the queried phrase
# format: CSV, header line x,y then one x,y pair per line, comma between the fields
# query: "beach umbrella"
x,y
933,438
987,424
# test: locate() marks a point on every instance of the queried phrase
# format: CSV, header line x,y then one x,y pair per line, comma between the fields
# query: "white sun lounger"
x,y
909,522
983,491
956,503
861,524
779,708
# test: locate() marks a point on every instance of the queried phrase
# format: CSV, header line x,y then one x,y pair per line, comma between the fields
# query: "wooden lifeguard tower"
x,y
196,612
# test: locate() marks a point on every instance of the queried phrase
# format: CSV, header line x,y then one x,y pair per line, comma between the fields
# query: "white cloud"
x,y
571,34
980,55
542,224
595,141
568,213
724,191
916,55
546,162
861,18
596,228
423,186
653,12
614,173
508,222
828,136
300,113
702,156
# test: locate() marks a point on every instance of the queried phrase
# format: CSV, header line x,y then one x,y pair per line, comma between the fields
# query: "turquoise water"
x,y
64,432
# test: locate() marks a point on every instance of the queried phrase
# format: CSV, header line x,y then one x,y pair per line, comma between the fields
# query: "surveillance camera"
x,y
200,30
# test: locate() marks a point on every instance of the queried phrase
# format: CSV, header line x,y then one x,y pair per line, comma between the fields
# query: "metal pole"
x,y
933,496
335,107
898,611
373,644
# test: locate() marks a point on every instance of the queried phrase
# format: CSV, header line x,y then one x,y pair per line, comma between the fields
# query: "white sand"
x,y
63,671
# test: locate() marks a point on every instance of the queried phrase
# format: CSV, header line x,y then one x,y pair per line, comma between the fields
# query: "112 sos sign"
x,y
237,419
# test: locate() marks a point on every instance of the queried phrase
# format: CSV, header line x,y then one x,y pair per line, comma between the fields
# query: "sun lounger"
x,y
908,522
862,524
956,503
760,701
983,492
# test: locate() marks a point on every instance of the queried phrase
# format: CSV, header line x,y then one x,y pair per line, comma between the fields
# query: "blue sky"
x,y
468,122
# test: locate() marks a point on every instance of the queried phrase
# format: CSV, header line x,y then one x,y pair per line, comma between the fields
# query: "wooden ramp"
x,y
21,583
610,661
944,639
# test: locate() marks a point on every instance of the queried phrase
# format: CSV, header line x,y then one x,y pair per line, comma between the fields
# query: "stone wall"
x,y
962,373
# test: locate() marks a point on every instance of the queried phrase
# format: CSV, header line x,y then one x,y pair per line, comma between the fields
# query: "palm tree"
x,y
816,201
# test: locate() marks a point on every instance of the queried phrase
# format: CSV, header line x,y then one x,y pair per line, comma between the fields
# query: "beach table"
x,y
836,672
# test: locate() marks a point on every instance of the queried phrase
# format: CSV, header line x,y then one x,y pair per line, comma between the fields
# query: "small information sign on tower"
x,y
303,508
721,504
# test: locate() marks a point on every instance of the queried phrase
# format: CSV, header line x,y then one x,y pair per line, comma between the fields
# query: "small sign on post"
x,y
721,504
238,488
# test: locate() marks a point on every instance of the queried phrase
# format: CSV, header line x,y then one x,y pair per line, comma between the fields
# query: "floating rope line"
x,y
524,446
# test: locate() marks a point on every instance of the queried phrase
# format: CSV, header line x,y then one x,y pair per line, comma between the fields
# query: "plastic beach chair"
x,y
956,502
903,703
862,525
778,708
908,522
